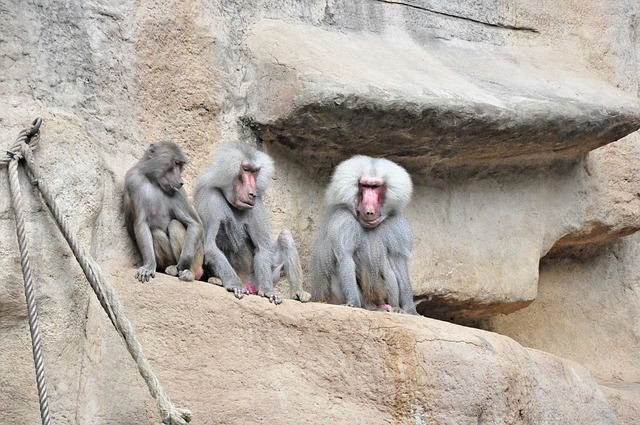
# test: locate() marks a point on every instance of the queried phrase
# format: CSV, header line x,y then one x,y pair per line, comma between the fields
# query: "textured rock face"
x,y
442,108
492,106
494,132
584,312
244,361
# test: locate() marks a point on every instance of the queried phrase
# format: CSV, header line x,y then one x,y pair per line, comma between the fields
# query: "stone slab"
x,y
446,105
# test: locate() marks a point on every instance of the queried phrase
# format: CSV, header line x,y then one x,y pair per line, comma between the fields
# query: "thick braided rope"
x,y
108,300
32,311
31,133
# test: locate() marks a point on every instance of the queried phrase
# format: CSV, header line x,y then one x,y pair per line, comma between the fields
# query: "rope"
x,y
107,297
32,310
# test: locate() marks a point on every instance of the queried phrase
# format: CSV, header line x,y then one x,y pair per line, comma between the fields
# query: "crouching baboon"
x,y
360,253
160,217
237,227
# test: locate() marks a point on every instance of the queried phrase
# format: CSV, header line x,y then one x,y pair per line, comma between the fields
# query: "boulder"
x,y
441,108
239,361
506,172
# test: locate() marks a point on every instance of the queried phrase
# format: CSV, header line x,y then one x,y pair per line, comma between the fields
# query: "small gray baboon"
x,y
237,227
359,257
160,217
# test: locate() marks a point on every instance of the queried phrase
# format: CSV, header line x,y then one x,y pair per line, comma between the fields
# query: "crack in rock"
x,y
449,15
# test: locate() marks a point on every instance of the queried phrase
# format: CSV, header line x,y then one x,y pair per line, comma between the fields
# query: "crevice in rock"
x,y
470,312
83,365
589,242
465,18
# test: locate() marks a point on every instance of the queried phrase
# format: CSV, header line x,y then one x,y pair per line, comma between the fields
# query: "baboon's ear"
x,y
150,151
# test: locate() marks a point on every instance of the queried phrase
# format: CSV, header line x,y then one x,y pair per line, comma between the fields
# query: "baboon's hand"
x,y
272,295
235,286
172,270
302,296
145,273
186,275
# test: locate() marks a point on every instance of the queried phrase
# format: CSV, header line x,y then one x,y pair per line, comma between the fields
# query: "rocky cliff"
x,y
517,121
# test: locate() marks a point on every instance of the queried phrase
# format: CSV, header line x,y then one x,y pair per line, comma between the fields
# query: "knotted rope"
x,y
13,157
104,292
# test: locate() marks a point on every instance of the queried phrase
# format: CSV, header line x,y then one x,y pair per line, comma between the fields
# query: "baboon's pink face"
x,y
369,201
244,187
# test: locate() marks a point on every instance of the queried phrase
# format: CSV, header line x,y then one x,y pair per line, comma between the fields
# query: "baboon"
x,y
159,216
237,227
360,253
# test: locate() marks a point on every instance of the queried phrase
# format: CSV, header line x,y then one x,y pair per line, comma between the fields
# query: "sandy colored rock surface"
x,y
240,361
584,312
444,109
109,78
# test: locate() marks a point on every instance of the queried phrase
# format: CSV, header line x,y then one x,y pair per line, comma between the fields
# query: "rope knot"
x,y
27,139
177,416
14,156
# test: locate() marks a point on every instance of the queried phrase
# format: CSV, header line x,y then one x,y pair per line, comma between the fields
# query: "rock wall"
x,y
504,113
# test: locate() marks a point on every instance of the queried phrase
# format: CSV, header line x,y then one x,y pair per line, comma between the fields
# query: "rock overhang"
x,y
448,105
451,112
